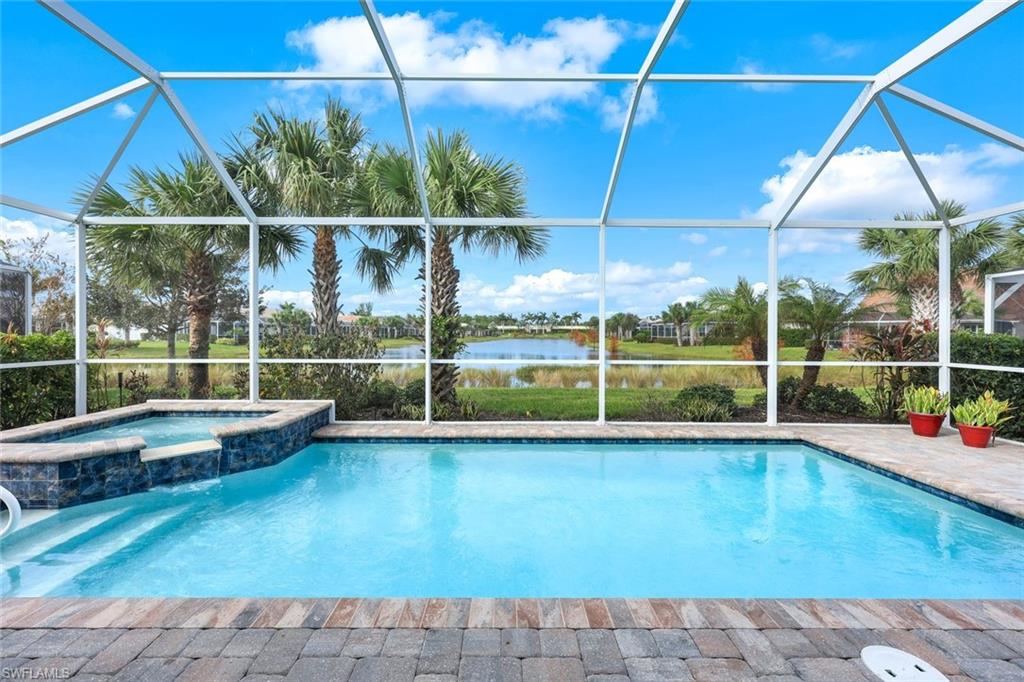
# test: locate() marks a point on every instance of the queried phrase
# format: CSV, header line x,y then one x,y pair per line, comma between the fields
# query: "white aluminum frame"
x,y
886,81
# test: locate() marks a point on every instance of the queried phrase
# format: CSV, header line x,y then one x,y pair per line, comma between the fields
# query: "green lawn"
x,y
557,404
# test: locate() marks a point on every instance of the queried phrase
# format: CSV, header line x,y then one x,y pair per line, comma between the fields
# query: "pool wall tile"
x,y
54,484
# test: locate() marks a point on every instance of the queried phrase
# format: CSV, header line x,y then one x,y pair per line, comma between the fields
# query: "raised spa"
x,y
531,520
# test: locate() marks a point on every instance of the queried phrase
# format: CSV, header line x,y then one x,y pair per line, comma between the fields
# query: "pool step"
x,y
53,570
16,551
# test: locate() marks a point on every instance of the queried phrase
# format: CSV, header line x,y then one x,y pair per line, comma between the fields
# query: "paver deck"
x,y
561,640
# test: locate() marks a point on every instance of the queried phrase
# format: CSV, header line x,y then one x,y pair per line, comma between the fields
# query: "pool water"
x,y
160,431
538,520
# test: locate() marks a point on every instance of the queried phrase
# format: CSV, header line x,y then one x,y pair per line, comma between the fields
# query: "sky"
x,y
697,150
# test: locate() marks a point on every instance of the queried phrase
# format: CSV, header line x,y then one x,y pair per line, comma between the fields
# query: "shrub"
x,y
642,336
136,384
36,394
227,341
990,349
832,399
382,395
703,410
655,409
221,392
414,393
826,399
716,394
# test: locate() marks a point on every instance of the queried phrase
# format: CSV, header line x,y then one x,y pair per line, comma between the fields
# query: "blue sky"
x,y
699,150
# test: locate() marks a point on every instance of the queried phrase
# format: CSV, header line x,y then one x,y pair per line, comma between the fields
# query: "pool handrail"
x,y
13,509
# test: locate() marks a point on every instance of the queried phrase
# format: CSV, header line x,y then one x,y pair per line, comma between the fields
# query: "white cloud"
x,y
718,251
122,110
275,298
867,183
60,239
423,43
751,68
815,241
613,109
830,49
631,287
694,238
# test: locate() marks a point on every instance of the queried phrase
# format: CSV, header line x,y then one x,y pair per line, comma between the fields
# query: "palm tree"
x,y
680,315
305,167
207,253
460,183
623,324
745,311
823,312
908,261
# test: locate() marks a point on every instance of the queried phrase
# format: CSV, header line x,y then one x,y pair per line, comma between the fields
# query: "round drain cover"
x,y
894,665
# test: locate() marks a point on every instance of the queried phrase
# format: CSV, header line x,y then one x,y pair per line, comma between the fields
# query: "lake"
x,y
517,349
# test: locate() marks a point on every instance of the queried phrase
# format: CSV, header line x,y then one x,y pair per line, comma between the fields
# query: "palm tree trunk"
x,y
759,349
444,308
694,334
679,334
200,300
924,306
815,353
326,278
172,369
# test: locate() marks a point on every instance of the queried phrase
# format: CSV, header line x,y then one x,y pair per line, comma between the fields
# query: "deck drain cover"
x,y
897,666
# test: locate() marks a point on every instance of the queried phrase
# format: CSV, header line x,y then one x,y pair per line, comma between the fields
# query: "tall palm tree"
x,y
306,167
908,261
460,183
207,253
823,313
745,311
681,315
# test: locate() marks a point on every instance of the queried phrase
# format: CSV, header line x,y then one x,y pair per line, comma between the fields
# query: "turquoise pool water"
x,y
417,520
160,431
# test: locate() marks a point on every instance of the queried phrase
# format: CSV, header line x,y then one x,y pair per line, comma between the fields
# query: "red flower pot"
x,y
975,436
927,425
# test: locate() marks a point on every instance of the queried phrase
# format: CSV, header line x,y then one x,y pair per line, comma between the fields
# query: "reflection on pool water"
x,y
528,520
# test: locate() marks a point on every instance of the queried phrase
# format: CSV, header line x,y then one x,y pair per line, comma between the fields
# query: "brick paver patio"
x,y
491,640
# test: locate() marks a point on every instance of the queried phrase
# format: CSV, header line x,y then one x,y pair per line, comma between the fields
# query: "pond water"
x,y
517,349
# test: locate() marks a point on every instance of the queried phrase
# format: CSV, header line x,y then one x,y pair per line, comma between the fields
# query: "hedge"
x,y
36,394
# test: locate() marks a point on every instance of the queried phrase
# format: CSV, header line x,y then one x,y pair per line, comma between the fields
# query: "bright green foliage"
x,y
925,400
36,394
983,411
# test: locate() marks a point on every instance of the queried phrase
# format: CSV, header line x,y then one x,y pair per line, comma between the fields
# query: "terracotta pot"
x,y
975,436
927,425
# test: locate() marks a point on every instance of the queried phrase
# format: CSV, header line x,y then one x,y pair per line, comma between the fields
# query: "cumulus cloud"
x,y
868,183
275,298
630,287
426,43
751,67
718,251
695,238
60,238
830,49
815,241
122,110
613,109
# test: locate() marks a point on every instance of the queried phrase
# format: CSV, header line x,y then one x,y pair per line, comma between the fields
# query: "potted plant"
x,y
977,419
926,409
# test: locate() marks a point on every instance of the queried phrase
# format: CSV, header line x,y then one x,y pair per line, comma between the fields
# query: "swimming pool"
x,y
527,520
161,431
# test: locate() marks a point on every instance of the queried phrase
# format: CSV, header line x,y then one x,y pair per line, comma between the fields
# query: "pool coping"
x,y
977,479
483,612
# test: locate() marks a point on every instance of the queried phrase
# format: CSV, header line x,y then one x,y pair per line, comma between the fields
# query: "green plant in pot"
x,y
978,419
926,408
